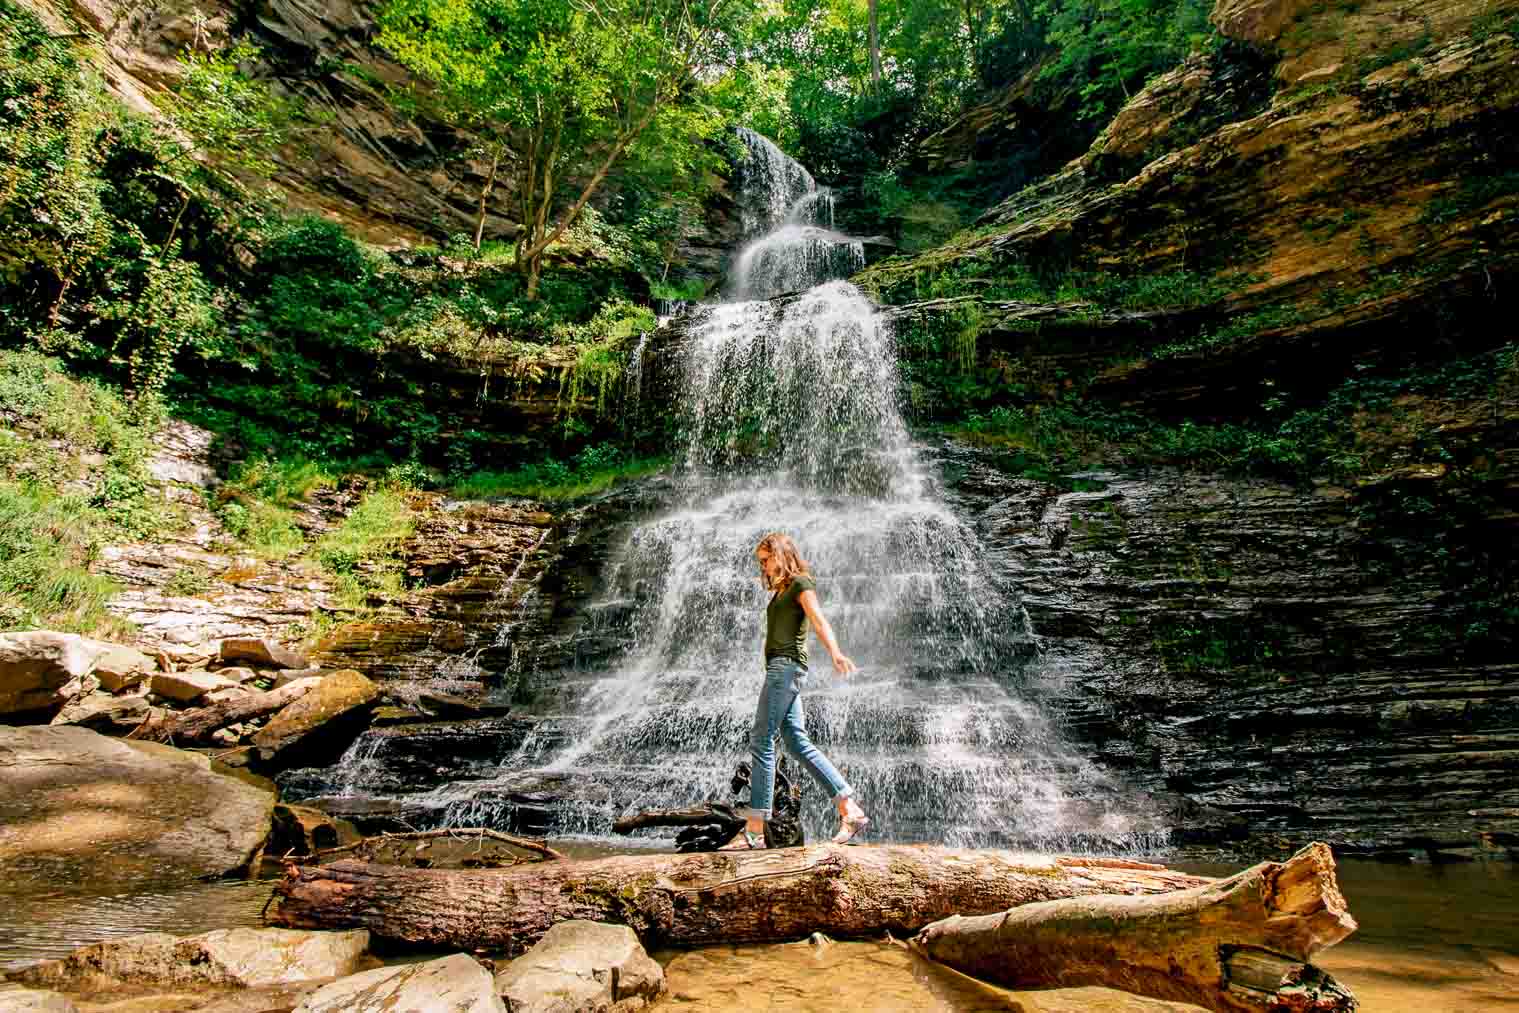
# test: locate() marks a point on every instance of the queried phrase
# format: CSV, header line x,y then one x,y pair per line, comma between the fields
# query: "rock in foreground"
x,y
35,667
580,967
457,984
83,813
27,1000
317,728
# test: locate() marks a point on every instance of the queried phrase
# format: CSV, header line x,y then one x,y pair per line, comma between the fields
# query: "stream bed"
x,y
1433,939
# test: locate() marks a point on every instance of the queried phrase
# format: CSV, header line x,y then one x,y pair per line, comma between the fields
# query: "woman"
x,y
793,606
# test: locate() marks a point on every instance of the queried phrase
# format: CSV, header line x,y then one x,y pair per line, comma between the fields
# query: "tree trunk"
x,y
197,725
184,203
1238,945
485,192
693,900
534,271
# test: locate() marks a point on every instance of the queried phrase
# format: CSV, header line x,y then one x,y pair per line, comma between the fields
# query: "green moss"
x,y
556,481
1472,193
1196,644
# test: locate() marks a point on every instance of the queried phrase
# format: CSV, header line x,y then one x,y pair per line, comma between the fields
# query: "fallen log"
x,y
697,899
1238,945
197,725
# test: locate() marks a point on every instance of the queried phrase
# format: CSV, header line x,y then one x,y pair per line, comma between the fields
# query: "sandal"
x,y
745,840
850,827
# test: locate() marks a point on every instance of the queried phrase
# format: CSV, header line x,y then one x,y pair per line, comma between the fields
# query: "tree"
x,y
567,88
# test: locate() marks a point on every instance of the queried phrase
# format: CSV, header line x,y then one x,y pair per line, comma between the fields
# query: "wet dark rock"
x,y
1246,646
300,830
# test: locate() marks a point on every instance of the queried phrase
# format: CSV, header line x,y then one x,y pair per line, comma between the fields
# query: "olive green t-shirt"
x,y
786,623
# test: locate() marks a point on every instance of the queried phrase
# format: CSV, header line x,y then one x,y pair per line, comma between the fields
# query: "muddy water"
x,y
1433,939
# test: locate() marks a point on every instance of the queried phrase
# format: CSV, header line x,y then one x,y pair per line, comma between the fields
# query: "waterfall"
x,y
788,222
792,423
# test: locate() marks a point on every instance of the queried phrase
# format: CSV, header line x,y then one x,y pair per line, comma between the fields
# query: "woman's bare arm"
x,y
841,663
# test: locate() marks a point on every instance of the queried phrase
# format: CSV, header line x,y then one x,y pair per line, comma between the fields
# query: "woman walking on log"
x,y
793,607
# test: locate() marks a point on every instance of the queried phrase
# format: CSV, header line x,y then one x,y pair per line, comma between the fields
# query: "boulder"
x,y
301,831
263,652
225,958
103,713
83,813
238,674
186,687
457,984
121,668
227,694
316,729
580,967
29,1000
37,665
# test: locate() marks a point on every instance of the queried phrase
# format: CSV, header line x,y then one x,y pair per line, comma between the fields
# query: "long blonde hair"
x,y
781,547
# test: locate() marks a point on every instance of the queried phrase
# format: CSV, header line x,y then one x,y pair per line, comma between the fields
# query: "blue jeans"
x,y
780,712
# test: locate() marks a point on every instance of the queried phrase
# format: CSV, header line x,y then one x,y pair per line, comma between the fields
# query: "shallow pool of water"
x,y
42,926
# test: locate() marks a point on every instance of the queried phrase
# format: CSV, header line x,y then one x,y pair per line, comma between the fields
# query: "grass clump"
x,y
689,290
363,552
47,542
593,470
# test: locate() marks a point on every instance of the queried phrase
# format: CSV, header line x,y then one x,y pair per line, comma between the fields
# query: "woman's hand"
x,y
842,665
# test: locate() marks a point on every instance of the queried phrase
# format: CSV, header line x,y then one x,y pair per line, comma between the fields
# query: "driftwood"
x,y
712,824
198,724
1238,945
699,899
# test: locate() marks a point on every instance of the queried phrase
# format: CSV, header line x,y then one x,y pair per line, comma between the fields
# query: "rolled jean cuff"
x,y
844,792
749,812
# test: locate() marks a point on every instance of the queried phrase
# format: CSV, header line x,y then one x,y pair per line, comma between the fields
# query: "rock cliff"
x,y
1336,188
1344,179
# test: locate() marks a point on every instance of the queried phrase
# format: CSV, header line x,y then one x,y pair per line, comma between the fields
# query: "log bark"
x,y
698,899
197,725
1238,945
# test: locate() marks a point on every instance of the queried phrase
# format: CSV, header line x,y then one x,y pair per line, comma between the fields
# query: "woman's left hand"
x,y
843,666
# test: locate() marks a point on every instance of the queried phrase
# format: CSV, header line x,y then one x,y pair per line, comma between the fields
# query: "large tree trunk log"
x,y
1239,945
723,897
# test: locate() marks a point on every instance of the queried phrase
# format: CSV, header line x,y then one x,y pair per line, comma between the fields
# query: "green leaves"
x,y
570,88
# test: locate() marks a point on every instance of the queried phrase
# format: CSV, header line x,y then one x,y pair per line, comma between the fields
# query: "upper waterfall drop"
x,y
788,224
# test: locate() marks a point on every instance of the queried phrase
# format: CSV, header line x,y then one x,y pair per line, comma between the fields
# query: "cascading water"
x,y
788,222
793,424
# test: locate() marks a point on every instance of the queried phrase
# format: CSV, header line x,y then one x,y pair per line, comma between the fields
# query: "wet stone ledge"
x,y
1244,645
